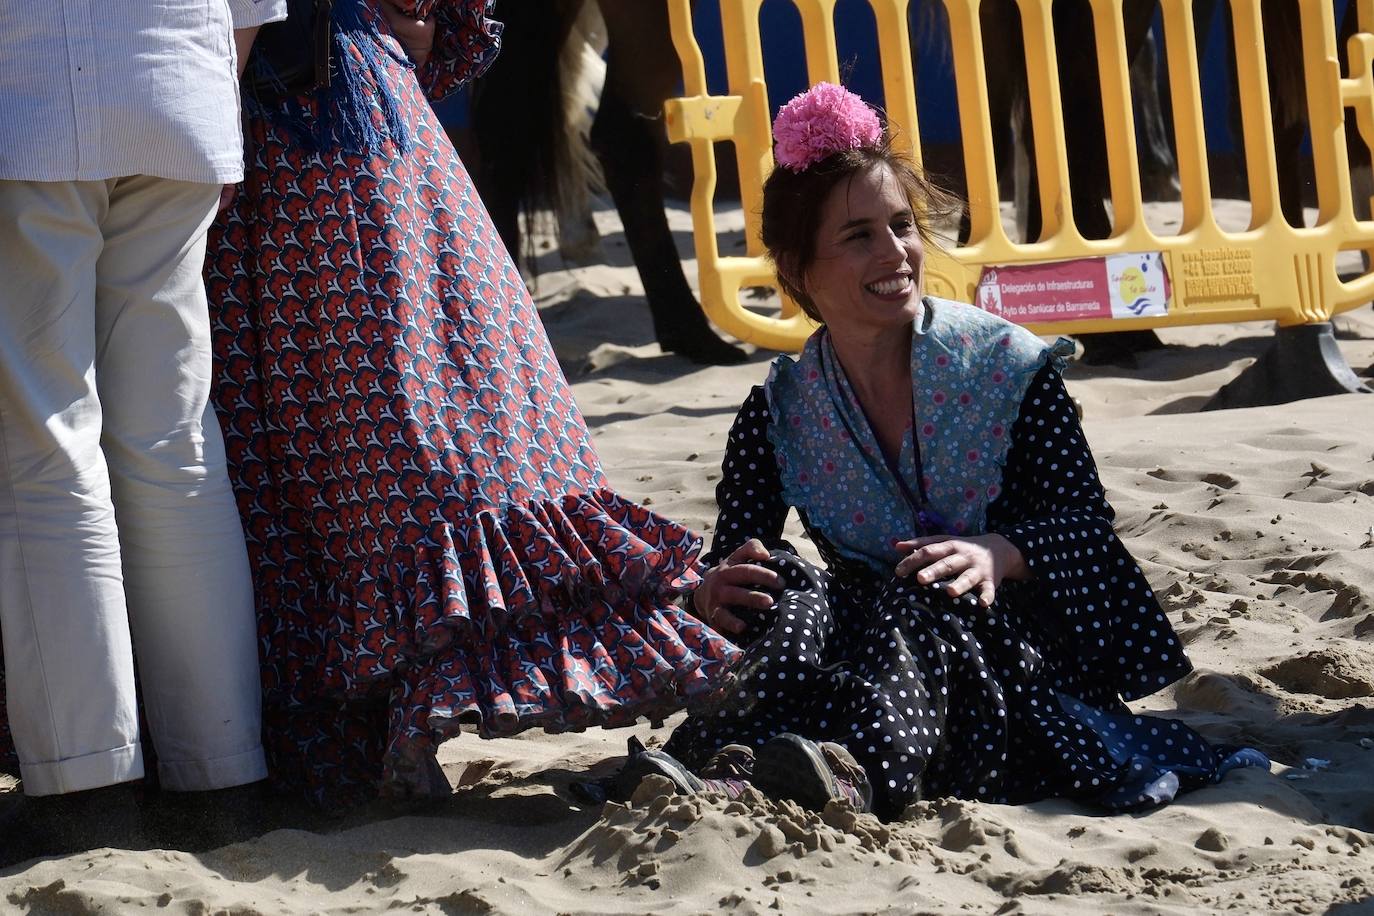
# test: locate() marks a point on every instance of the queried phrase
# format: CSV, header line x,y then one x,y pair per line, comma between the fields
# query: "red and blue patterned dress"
x,y
432,538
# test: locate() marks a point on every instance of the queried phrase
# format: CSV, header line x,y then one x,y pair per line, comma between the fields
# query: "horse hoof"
x,y
705,350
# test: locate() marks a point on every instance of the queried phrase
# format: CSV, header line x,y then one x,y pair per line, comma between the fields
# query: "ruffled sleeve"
x,y
1054,510
750,490
466,41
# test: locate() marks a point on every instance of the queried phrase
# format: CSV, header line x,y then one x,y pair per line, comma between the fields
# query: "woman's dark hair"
x,y
792,209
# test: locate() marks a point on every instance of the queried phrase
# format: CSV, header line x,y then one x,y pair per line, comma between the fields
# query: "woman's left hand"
x,y
973,564
415,35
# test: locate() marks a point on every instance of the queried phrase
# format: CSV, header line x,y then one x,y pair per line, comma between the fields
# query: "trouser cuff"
x,y
219,773
77,774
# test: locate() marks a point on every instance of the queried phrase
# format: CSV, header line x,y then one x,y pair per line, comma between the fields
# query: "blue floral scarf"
x,y
360,110
969,371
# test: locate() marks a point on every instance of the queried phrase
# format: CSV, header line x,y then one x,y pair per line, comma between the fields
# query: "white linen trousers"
x,y
116,517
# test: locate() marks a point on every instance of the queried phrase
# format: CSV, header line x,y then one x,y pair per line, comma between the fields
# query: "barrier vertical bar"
x,y
1325,111
1047,119
899,84
1118,116
975,119
1257,127
1364,15
744,63
688,51
1185,93
818,31
1357,92
703,154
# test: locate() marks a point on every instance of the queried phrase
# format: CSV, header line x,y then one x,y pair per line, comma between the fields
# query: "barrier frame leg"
x,y
1302,361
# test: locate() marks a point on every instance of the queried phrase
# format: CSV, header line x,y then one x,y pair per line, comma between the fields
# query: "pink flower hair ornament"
x,y
820,122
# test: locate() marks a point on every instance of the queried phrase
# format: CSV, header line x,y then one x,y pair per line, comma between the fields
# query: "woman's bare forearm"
x,y
243,43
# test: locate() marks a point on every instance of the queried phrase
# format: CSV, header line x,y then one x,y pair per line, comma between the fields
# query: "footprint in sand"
x,y
1348,598
1214,478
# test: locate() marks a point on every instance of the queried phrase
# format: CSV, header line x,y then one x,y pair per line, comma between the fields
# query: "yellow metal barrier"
x,y
1269,271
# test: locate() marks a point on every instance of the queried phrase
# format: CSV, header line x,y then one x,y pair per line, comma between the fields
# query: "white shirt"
x,y
96,89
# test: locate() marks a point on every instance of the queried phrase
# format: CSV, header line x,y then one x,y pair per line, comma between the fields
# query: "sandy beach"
x,y
1255,526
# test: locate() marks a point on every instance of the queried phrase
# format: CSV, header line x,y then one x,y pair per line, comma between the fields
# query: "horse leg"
x,y
517,170
1159,172
582,71
629,140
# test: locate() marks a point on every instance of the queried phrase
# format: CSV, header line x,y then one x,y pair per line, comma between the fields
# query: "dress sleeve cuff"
x,y
1022,536
466,42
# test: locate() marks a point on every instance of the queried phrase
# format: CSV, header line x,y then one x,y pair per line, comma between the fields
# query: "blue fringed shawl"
x,y
360,112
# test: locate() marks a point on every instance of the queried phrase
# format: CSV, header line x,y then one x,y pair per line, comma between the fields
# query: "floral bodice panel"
x,y
1050,505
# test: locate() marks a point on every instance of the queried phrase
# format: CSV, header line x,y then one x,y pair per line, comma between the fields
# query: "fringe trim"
x,y
360,111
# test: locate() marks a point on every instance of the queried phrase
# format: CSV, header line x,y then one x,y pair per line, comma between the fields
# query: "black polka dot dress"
x,y
1020,701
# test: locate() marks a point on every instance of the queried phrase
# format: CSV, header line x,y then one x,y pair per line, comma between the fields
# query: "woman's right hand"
x,y
734,584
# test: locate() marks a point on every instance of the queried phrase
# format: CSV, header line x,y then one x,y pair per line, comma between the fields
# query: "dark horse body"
x,y
518,169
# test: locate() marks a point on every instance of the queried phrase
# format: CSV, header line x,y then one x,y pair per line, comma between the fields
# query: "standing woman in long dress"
x,y
432,538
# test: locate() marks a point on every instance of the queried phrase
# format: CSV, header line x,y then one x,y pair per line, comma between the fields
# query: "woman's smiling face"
x,y
868,269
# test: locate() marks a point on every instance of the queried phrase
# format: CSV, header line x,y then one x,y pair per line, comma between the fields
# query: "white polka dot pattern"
x,y
1016,702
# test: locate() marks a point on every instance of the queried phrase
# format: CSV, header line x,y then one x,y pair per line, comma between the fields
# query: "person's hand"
x,y
734,584
963,565
415,35
226,195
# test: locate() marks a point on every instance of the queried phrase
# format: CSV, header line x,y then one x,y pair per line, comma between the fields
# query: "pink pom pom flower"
x,y
822,121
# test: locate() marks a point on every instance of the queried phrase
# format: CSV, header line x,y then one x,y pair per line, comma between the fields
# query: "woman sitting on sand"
x,y
977,622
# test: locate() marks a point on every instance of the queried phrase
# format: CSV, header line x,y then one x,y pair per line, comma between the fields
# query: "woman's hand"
x,y
976,564
732,584
415,35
